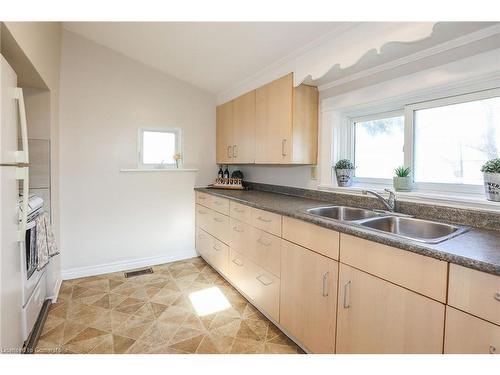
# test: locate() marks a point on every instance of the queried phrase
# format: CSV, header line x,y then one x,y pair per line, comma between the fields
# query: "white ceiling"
x,y
211,55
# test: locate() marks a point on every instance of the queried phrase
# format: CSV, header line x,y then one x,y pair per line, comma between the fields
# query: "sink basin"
x,y
414,229
343,213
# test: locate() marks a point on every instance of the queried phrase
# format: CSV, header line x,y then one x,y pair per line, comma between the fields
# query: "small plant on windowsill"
x,y
344,170
177,157
402,180
491,174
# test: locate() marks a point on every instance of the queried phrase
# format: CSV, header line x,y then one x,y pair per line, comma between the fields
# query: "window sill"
x,y
161,170
459,200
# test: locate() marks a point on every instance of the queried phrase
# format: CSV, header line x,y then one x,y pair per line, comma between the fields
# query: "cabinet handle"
x,y
229,152
264,220
235,151
201,212
238,262
218,220
347,289
202,197
493,350
218,203
264,280
283,147
240,210
264,243
325,284
497,296
216,248
238,230
201,236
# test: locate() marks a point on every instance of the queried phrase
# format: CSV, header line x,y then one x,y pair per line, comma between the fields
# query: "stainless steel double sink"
x,y
425,231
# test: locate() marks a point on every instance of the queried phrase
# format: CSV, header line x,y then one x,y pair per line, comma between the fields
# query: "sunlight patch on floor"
x,y
209,301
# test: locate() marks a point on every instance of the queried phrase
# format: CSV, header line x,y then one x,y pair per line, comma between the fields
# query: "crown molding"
x,y
443,47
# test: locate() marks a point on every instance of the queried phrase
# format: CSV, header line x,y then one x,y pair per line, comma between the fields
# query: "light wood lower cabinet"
x,y
308,297
376,316
466,334
262,287
212,250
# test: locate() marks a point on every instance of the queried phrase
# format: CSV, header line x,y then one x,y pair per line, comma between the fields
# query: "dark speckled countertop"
x,y
477,248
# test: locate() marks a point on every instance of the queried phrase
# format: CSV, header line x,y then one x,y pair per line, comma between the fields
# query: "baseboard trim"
x,y
77,272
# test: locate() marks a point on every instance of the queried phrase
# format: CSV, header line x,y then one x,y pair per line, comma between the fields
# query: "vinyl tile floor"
x,y
182,307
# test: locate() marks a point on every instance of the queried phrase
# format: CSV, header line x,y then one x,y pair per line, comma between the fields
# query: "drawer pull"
x,y
264,219
493,350
201,236
325,284
218,203
240,210
202,197
218,220
238,262
264,280
497,296
346,294
216,248
238,230
264,243
202,212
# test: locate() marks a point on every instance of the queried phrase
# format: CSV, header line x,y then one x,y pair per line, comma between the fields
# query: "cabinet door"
x,y
224,133
244,128
466,334
274,103
308,297
376,316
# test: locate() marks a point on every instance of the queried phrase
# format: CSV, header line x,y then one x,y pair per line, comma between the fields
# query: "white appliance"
x,y
13,170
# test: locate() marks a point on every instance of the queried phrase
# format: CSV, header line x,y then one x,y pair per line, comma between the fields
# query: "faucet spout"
x,y
389,203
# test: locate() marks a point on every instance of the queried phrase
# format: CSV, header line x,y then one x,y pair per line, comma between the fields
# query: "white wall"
x,y
111,218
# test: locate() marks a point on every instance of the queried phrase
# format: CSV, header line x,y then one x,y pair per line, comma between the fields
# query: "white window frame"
x,y
140,146
409,141
352,143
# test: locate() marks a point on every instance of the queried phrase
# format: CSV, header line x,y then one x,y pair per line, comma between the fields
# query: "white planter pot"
x,y
402,183
492,186
344,177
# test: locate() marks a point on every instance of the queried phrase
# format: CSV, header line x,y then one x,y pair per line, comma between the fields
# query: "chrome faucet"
x,y
389,203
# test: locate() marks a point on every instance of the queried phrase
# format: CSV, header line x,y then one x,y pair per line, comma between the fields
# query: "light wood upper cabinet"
x,y
244,129
376,316
308,297
224,133
286,123
275,124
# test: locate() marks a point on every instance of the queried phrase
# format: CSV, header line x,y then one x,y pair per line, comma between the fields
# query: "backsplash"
x,y
470,217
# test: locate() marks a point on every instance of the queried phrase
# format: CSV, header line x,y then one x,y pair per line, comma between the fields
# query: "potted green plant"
x,y
491,173
344,170
402,181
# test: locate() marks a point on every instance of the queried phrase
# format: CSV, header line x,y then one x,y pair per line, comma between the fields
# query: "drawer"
x,y
219,227
476,292
204,199
219,256
419,273
260,286
32,309
267,221
240,212
203,217
466,334
240,236
202,243
265,251
313,237
220,205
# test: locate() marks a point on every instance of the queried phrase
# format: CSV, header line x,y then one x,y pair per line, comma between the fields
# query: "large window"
x,y
158,147
444,142
378,145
